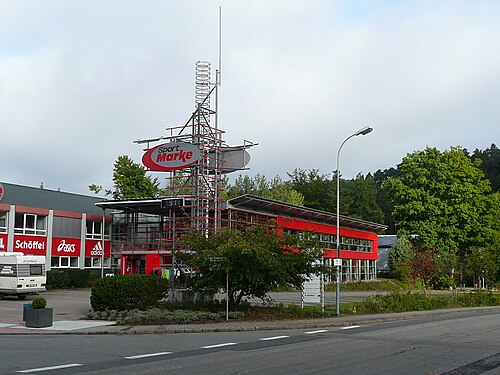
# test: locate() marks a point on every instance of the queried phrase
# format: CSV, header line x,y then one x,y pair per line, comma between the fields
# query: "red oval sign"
x,y
1,191
171,156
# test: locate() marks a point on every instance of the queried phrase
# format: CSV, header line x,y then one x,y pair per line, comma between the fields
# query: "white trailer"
x,y
21,274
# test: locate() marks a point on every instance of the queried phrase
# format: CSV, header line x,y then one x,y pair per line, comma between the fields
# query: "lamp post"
x,y
363,131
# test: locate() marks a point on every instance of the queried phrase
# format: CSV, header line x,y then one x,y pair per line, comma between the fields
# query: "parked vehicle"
x,y
21,274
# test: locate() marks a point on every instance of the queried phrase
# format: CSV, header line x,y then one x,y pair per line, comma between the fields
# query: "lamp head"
x,y
364,131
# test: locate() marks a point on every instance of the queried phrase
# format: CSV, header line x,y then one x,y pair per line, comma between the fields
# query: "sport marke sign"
x,y
171,156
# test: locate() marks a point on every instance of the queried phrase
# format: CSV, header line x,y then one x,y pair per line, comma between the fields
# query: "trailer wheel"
x,y
21,296
1,296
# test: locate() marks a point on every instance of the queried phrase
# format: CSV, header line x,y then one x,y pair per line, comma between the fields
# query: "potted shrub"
x,y
39,316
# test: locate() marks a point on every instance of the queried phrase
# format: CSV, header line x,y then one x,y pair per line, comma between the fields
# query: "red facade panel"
x,y
93,248
73,215
34,245
302,225
32,210
3,242
65,246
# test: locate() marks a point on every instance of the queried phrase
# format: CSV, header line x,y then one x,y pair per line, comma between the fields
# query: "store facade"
x,y
146,232
68,229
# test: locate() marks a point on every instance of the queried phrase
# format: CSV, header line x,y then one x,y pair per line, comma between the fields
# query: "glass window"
x,y
36,270
3,222
96,262
30,224
94,230
29,221
64,262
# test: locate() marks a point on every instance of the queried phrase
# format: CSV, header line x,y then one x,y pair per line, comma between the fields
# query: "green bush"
x,y
93,277
39,303
58,279
411,301
401,302
162,316
68,278
78,278
477,299
128,292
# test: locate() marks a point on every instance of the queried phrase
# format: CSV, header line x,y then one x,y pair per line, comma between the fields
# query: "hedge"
x,y
68,278
127,292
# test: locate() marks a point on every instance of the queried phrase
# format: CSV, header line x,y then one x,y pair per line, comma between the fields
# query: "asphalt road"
x,y
457,344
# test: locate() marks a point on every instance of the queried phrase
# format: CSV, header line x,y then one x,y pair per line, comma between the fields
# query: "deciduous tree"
x,y
256,260
130,181
441,197
276,189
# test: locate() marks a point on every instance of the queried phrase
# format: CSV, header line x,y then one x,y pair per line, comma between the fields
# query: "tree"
x,y
440,197
276,189
490,164
383,200
257,259
360,199
491,229
481,263
400,256
318,190
130,181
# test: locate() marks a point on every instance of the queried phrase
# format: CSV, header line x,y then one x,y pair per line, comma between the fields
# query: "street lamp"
x,y
363,131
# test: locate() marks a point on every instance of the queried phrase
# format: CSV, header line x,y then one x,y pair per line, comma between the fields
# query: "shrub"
x,y
356,286
127,292
58,279
39,303
477,299
68,278
78,278
400,302
161,316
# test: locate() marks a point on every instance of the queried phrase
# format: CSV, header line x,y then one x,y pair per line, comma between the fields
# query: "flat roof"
x,y
255,203
39,197
147,206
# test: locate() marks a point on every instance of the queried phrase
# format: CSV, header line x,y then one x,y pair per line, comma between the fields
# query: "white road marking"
x,y
139,356
318,331
219,345
350,327
273,338
51,368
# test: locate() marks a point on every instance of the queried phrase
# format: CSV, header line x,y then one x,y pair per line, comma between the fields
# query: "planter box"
x,y
39,318
26,306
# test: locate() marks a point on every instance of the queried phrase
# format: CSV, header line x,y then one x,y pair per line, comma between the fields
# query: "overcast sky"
x,y
80,80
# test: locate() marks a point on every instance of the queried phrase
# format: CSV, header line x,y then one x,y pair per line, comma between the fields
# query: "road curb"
x,y
281,325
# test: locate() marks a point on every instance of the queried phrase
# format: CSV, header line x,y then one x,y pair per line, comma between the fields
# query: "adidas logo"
x,y
97,249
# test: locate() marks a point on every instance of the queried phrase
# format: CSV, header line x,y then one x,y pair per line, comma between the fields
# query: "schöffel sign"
x,y
171,156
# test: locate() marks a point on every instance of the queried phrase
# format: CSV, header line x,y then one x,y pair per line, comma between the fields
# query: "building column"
x,y
83,236
50,230
10,230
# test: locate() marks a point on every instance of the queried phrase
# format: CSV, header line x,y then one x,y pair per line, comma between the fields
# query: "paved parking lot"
x,y
68,304
70,307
